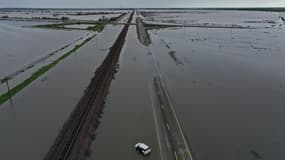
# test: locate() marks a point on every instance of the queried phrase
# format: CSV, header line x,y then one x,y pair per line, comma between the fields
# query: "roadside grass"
x,y
52,26
117,19
40,72
97,27
61,26
157,26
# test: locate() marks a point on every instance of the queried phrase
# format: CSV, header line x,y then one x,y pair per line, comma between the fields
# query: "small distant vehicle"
x,y
142,148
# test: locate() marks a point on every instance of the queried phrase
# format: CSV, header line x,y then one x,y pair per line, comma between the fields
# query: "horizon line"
x,y
257,7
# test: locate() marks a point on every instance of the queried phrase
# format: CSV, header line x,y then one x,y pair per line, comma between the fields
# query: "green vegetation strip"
x,y
40,72
97,27
158,26
61,26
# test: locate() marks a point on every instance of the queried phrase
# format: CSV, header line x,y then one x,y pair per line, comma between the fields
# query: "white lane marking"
x,y
156,123
179,127
176,157
171,106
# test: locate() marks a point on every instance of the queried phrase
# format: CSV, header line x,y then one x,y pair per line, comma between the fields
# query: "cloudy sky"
x,y
140,3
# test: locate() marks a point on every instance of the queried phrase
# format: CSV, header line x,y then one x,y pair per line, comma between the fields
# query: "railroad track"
x,y
74,138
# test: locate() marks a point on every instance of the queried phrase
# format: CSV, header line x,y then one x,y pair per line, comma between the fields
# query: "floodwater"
x,y
25,72
228,89
128,116
30,125
20,46
208,17
227,86
71,14
92,17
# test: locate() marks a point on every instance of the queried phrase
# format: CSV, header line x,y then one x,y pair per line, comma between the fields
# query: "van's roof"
x,y
143,146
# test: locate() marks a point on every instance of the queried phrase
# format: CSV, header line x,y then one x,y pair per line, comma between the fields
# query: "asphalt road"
x,y
171,139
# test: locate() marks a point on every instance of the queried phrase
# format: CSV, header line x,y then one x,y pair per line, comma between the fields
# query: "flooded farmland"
x,y
191,84
39,111
20,46
228,87
213,17
58,14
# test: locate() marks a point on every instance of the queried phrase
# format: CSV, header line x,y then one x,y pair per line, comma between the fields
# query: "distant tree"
x,y
64,18
103,18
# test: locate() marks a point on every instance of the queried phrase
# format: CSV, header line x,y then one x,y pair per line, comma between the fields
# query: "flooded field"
x,y
20,46
191,84
58,14
214,17
39,111
228,87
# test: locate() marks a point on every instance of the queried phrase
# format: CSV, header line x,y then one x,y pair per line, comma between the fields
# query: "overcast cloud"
x,y
140,3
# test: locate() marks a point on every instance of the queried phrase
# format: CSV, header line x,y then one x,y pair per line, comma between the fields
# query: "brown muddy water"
x,y
228,89
30,125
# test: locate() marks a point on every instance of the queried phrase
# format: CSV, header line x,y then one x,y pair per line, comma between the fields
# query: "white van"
x,y
142,148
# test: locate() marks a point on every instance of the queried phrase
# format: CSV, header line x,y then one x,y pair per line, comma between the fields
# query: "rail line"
x,y
74,139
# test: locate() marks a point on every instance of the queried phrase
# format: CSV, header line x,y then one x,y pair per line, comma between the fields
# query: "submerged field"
x,y
221,71
20,46
228,94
